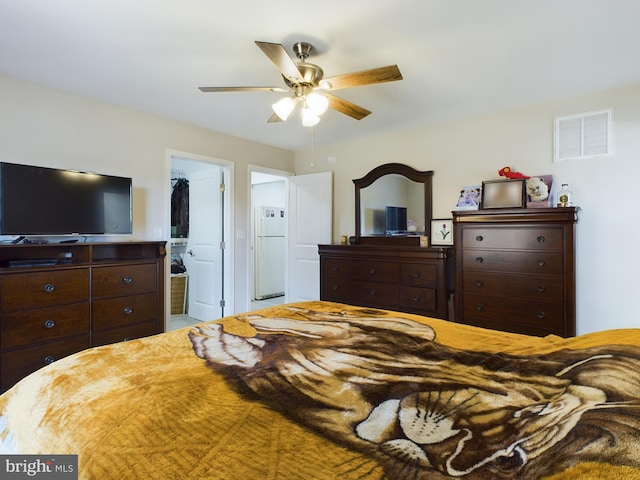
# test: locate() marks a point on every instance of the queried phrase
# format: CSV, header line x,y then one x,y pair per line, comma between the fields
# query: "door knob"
x,y
190,252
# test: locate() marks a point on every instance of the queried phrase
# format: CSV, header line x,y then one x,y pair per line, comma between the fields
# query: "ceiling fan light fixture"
x,y
317,103
309,118
284,107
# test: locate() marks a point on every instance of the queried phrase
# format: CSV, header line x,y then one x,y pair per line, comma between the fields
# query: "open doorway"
x,y
268,236
200,249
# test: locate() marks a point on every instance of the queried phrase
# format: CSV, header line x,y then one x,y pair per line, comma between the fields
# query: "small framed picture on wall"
x,y
442,231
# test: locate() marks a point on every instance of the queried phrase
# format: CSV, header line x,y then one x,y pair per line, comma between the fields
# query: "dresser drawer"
x,y
375,293
113,312
43,289
418,299
542,288
123,280
418,274
541,263
335,289
334,268
122,334
521,238
22,328
374,271
22,361
547,316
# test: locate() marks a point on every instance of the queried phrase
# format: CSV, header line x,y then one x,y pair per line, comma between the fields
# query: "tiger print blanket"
x,y
320,390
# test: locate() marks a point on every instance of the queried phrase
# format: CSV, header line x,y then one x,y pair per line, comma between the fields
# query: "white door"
x,y
310,220
204,253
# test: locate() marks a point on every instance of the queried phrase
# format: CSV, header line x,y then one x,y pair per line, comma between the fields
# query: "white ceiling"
x,y
458,57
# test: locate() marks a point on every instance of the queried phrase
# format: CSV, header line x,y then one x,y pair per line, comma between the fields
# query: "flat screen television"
x,y
396,220
49,201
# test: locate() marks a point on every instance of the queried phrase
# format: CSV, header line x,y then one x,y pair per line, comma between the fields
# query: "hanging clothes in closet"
x,y
180,207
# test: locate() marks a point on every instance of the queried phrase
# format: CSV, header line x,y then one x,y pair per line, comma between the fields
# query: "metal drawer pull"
x,y
335,287
49,287
541,315
49,324
479,283
479,260
416,275
417,298
127,310
127,339
479,307
541,239
372,271
335,268
128,279
479,238
541,288
372,292
541,263
49,359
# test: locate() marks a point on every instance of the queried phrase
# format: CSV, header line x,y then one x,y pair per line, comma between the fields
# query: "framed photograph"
x,y
509,193
469,198
442,231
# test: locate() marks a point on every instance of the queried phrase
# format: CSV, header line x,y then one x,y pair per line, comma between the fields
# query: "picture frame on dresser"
x,y
509,193
442,231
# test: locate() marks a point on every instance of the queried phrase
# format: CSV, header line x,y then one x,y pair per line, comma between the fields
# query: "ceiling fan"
x,y
304,80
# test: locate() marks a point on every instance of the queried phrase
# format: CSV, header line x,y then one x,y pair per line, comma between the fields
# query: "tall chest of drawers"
x,y
515,269
57,299
403,278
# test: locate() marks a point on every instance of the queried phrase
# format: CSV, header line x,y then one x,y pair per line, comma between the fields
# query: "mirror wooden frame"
x,y
424,177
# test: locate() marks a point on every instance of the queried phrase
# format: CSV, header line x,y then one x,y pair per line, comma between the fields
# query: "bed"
x,y
321,390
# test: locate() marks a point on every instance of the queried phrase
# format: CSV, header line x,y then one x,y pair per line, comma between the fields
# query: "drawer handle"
x,y
479,307
127,339
128,279
479,283
416,275
49,359
49,324
541,263
541,288
127,310
540,315
541,239
372,271
335,268
479,260
417,298
479,238
372,292
49,287
335,287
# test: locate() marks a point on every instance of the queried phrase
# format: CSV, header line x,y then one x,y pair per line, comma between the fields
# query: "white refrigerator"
x,y
269,251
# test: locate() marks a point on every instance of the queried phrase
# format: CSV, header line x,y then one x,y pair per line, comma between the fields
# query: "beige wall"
x,y
469,151
40,126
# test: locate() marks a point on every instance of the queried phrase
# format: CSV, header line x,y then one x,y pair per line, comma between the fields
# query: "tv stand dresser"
x,y
59,298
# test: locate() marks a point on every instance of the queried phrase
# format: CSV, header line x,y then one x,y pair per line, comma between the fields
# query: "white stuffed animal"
x,y
537,190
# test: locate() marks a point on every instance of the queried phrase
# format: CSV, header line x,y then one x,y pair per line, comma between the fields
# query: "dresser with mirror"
x,y
389,263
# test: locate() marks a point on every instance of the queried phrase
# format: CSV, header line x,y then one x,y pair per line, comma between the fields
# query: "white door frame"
x,y
229,275
250,264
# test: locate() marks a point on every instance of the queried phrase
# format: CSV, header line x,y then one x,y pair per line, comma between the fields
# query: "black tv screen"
x,y
48,201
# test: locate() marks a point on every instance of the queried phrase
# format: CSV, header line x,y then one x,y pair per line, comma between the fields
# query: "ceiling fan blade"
x,y
344,106
274,118
242,89
389,73
279,56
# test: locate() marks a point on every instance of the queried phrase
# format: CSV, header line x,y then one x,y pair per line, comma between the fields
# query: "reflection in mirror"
x,y
392,205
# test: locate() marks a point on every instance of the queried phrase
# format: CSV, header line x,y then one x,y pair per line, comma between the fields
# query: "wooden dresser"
x,y
515,269
57,299
403,278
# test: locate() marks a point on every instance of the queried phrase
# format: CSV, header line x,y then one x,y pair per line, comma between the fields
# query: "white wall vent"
x,y
583,135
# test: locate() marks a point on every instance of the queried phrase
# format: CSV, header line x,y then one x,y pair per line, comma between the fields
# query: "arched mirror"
x,y
392,200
